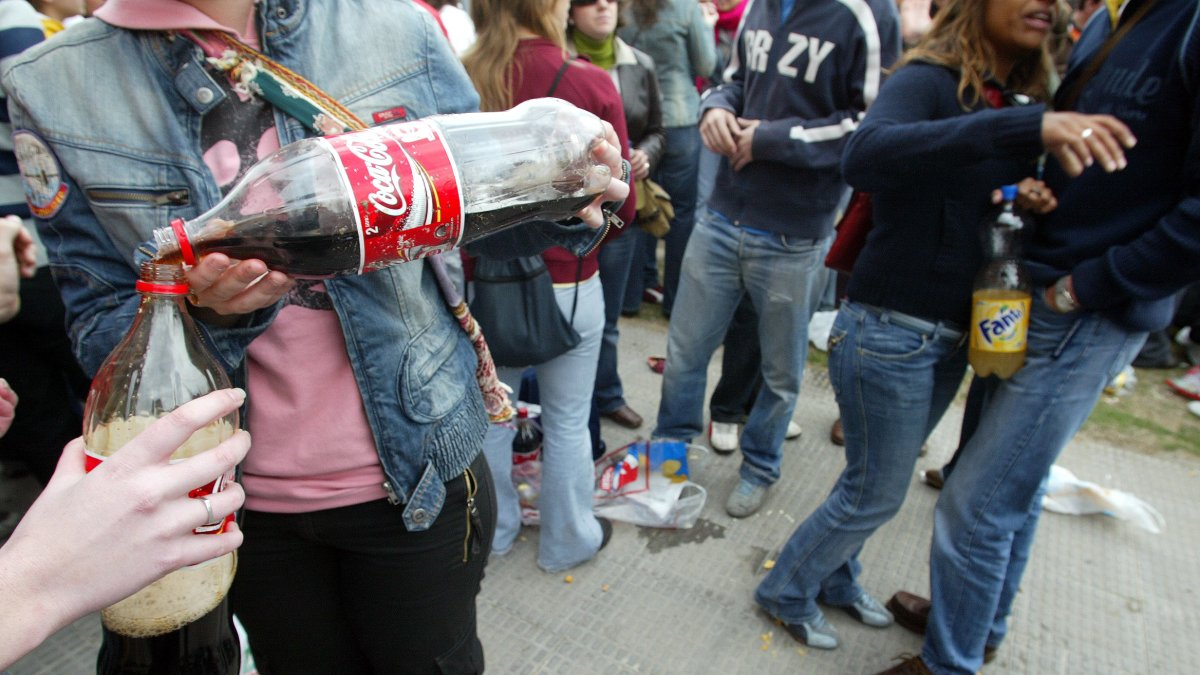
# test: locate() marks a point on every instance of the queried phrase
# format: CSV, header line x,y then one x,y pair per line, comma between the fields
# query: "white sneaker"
x,y
793,431
723,436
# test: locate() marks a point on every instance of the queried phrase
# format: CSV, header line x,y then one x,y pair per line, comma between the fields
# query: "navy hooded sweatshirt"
x,y
808,78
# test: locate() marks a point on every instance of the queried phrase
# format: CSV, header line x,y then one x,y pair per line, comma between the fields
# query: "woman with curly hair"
x,y
942,136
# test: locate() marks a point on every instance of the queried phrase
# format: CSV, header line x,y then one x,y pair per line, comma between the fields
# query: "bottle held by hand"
x,y
364,200
180,623
1001,299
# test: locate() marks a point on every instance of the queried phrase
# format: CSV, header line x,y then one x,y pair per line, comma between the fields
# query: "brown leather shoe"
x,y
912,665
836,436
625,416
912,611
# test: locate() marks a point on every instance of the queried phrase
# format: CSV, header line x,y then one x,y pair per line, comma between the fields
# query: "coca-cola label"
x,y
406,191
91,460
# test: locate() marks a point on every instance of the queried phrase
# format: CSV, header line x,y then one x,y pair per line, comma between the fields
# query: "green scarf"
x,y
602,53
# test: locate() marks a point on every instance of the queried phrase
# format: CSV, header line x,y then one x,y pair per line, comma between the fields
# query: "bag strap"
x,y
558,77
579,264
1071,96
320,112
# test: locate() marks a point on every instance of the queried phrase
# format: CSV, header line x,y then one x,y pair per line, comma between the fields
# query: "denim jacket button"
x,y
204,95
419,515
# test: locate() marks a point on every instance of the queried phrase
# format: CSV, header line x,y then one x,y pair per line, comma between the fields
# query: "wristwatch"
x,y
1064,300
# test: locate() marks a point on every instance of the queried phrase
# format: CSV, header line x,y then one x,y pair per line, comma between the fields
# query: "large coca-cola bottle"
x,y
359,201
180,623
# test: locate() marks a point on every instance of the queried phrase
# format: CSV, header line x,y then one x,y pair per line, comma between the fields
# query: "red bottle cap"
x,y
185,246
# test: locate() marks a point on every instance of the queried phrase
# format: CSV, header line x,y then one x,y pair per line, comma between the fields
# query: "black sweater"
x,y
931,168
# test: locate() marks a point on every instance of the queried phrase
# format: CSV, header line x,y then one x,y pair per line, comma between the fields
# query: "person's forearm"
x,y
27,615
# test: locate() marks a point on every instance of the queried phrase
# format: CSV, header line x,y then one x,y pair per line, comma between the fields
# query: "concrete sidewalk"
x,y
1099,596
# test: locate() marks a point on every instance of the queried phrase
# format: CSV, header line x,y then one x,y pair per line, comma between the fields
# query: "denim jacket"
x,y
121,113
681,45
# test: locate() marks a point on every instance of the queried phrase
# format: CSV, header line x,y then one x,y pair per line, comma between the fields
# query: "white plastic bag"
x,y
819,328
1065,493
647,483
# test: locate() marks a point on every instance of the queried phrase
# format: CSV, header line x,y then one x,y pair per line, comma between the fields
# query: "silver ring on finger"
x,y
1086,133
211,519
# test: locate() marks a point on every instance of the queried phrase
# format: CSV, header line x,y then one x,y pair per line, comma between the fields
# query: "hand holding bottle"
x,y
230,287
1079,140
1033,195
608,152
94,538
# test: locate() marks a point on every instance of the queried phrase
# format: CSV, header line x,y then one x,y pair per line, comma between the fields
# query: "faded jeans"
x,y
988,510
781,275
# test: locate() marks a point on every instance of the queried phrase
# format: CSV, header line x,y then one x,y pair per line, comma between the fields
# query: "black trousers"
x,y
37,361
741,368
350,590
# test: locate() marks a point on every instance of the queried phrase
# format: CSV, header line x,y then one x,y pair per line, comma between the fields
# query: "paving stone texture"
x,y
1099,595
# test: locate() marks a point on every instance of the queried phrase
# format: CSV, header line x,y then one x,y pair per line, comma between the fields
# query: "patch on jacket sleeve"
x,y
41,174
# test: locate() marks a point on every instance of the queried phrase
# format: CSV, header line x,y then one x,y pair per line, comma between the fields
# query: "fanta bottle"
x,y
1000,302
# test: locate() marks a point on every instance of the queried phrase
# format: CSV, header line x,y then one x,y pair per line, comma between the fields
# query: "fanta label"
x,y
999,321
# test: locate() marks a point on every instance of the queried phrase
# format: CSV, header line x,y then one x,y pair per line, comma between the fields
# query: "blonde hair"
x,y
956,40
498,25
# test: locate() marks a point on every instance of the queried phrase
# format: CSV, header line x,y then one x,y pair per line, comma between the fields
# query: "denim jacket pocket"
x,y
427,389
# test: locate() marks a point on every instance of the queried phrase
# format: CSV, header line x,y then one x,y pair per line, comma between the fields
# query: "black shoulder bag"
x,y
515,306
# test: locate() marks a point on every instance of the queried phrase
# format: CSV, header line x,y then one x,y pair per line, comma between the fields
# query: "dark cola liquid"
x,y
314,256
480,224
207,646
293,243
296,244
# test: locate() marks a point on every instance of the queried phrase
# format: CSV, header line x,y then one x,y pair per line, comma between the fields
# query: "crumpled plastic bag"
x,y
819,328
648,483
1066,493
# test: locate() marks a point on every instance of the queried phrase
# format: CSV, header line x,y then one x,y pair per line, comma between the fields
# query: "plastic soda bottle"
x,y
363,200
180,624
1001,299
527,444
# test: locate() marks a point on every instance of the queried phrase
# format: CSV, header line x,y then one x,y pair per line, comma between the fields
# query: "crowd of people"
x,y
376,489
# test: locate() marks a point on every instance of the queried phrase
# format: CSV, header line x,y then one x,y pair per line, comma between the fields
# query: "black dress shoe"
x,y
625,416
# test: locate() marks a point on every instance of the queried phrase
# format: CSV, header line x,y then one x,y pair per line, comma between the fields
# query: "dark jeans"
x,y
677,173
616,258
741,373
37,361
350,590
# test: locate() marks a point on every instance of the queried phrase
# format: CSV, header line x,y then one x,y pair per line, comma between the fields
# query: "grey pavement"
x,y
1099,595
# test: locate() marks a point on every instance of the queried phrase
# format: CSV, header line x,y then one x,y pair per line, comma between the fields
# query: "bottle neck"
x,y
1004,234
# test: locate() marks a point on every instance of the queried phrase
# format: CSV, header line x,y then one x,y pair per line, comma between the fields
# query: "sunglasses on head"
x,y
583,3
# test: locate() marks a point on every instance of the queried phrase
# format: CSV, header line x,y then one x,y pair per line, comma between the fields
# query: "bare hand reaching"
x,y
1079,140
92,539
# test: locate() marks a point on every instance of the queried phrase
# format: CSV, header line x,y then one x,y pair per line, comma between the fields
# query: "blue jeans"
x,y
569,533
677,174
988,510
780,276
643,273
893,379
616,258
